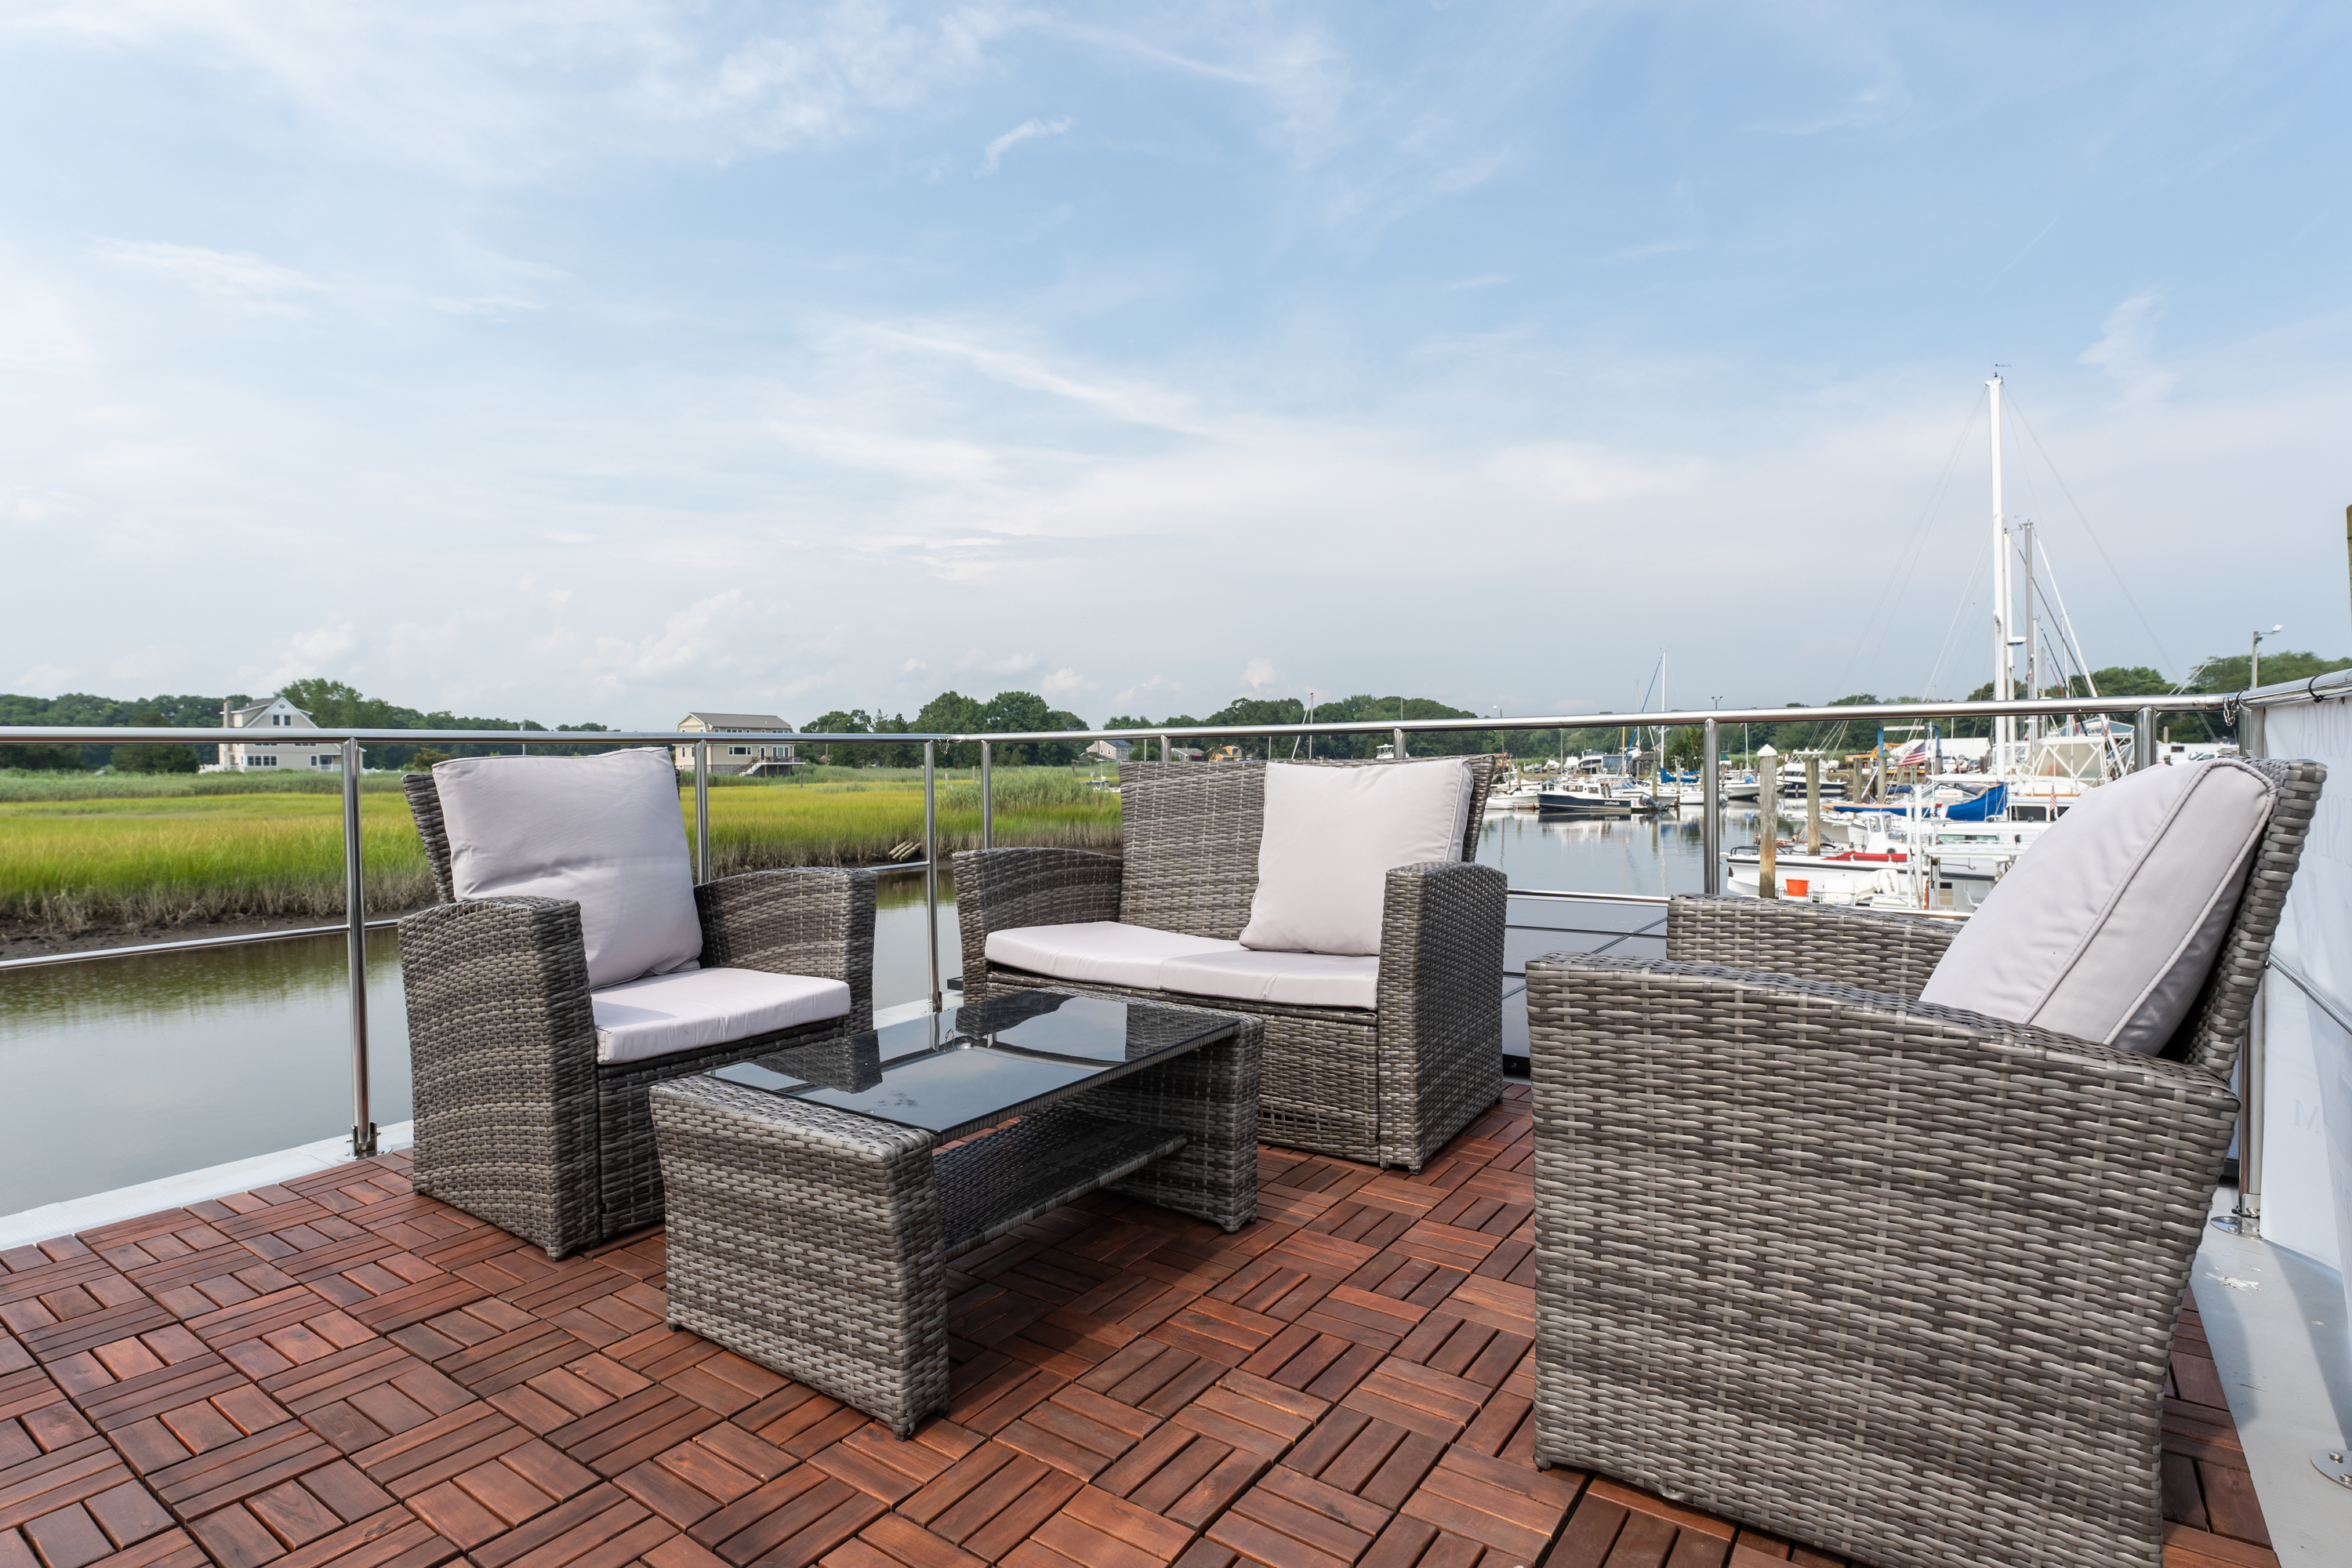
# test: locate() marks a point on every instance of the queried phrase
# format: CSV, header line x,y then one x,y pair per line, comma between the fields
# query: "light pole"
x,y
2254,661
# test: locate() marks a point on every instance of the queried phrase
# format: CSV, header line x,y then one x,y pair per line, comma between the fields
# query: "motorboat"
x,y
1594,796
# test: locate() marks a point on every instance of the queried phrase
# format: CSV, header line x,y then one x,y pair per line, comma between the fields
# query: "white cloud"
x,y
1259,674
318,651
233,278
695,638
2126,350
501,90
1027,131
52,678
913,667
1063,685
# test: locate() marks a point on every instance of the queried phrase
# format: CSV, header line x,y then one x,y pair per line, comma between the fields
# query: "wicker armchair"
x,y
1892,1278
1388,1087
516,1121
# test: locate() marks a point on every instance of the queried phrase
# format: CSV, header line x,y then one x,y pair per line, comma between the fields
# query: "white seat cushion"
x,y
664,1014
1333,836
1100,953
2106,929
1296,979
603,832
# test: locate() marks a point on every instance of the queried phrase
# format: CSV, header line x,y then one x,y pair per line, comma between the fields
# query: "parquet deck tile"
x,y
340,1370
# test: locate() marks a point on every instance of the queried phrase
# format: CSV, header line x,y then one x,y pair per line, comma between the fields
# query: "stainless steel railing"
x,y
353,741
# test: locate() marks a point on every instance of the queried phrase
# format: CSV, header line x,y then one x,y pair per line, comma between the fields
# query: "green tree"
x,y
152,759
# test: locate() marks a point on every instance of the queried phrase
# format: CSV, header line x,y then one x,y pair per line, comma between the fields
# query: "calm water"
x,y
123,1070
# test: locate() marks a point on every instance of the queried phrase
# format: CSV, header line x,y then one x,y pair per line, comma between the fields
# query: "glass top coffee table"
x,y
968,1068
814,1195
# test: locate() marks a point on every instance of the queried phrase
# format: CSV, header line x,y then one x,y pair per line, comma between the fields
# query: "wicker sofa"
x,y
516,1121
1891,1278
1389,1085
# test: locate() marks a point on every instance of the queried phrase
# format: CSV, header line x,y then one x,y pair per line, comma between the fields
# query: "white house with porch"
x,y
739,743
277,715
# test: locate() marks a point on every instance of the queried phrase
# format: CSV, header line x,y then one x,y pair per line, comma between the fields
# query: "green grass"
x,y
76,857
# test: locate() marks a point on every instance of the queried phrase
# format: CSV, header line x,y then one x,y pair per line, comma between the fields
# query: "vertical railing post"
x,y
2252,1086
1396,744
1711,802
1163,750
932,864
702,811
2144,739
987,799
356,922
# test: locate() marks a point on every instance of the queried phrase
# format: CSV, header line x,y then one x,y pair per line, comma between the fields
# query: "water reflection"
x,y
124,1070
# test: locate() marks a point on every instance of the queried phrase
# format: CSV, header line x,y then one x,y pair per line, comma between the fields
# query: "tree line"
x,y
338,704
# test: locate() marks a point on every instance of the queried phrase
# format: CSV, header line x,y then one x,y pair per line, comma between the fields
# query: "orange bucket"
x,y
1796,887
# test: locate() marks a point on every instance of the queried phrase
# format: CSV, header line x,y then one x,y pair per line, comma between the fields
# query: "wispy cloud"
x,y
1027,131
235,277
2126,350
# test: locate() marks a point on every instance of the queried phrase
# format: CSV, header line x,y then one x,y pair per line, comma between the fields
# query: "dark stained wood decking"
x,y
339,1371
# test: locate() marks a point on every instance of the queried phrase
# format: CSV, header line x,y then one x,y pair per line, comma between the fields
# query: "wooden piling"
x,y
1813,805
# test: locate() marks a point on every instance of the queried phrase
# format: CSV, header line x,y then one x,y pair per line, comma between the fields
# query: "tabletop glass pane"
x,y
970,1065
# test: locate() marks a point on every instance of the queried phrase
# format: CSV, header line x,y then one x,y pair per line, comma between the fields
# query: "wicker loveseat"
x,y
1895,1278
518,1122
1388,1084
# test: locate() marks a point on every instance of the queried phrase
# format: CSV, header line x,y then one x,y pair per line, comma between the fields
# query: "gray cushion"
x,y
663,1014
2108,927
603,832
1292,979
1099,952
1332,837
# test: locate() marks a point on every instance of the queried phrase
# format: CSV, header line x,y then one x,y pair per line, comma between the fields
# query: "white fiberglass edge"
x,y
78,1215
2274,1318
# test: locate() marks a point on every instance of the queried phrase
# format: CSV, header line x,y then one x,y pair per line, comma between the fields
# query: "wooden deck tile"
x,y
339,1371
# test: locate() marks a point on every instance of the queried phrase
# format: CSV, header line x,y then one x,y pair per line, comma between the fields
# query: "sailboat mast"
x,y
2004,727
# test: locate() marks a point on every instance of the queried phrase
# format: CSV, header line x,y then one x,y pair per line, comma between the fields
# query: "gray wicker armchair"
x,y
1896,1278
1389,1085
516,1121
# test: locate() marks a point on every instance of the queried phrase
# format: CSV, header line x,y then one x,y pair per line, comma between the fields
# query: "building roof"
x,y
732,721
238,715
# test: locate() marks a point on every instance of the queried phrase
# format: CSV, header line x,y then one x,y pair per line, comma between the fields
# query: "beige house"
x,y
739,743
278,715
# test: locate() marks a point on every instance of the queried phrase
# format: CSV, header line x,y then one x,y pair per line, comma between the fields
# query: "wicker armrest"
x,y
817,922
1773,1213
502,1055
1874,949
1440,1005
1004,889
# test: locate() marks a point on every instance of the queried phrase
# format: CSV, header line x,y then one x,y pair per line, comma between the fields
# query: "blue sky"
x,y
608,359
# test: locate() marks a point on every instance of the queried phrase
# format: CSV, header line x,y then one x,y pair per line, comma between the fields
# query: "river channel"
x,y
121,1071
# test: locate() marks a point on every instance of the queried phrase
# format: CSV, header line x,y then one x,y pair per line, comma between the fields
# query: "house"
x,y
250,756
733,750
1110,751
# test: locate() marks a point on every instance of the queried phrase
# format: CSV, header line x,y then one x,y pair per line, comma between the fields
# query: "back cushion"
x,y
2106,927
1333,836
605,832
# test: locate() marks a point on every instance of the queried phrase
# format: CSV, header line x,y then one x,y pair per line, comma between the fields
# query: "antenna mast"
x,y
2004,727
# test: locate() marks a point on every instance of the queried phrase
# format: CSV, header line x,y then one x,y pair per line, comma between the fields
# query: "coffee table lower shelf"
x,y
1007,1177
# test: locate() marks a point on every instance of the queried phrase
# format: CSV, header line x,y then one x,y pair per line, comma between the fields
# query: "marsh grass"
x,y
76,858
